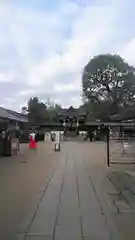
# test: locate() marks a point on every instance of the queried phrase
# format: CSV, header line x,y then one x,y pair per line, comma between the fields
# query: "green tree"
x,y
42,112
108,85
53,110
36,110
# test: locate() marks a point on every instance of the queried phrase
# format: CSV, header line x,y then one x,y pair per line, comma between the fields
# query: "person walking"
x,y
32,144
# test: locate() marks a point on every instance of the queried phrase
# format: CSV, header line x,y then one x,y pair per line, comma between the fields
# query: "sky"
x,y
45,44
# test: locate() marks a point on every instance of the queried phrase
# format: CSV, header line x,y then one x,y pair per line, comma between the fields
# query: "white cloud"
x,y
6,77
128,51
27,92
44,51
85,39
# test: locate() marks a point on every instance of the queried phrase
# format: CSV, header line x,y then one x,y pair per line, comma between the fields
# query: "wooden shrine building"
x,y
12,120
71,114
71,118
11,124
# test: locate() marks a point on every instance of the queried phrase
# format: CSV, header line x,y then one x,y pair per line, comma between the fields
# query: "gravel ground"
x,y
22,178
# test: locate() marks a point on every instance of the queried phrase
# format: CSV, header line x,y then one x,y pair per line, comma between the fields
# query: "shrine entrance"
x,y
71,118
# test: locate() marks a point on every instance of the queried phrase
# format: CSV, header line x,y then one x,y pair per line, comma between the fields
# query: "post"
x,y
77,127
57,142
107,140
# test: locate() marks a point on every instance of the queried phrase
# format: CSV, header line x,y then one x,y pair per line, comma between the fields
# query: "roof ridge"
x,y
11,114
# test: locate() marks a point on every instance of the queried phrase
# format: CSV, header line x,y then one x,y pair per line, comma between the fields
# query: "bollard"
x,y
57,147
57,142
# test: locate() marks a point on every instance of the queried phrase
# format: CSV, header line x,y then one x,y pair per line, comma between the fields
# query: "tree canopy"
x,y
40,112
108,85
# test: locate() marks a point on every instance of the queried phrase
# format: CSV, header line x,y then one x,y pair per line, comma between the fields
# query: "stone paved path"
x,y
73,205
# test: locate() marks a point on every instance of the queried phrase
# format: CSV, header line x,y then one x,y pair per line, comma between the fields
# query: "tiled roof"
x,y
70,112
21,116
12,115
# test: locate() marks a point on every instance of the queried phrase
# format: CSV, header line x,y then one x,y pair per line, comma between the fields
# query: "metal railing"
x,y
121,146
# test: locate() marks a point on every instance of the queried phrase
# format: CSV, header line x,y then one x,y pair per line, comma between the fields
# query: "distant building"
x,y
127,115
71,114
11,119
71,118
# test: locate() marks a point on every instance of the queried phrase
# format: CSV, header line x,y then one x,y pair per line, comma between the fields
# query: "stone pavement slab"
x,y
45,216
126,225
98,179
119,181
129,178
81,203
109,200
33,237
68,217
43,224
66,233
70,208
130,197
15,237
125,201
122,205
94,227
87,198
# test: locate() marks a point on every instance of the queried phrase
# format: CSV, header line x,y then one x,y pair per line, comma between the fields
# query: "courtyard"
x,y
70,194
